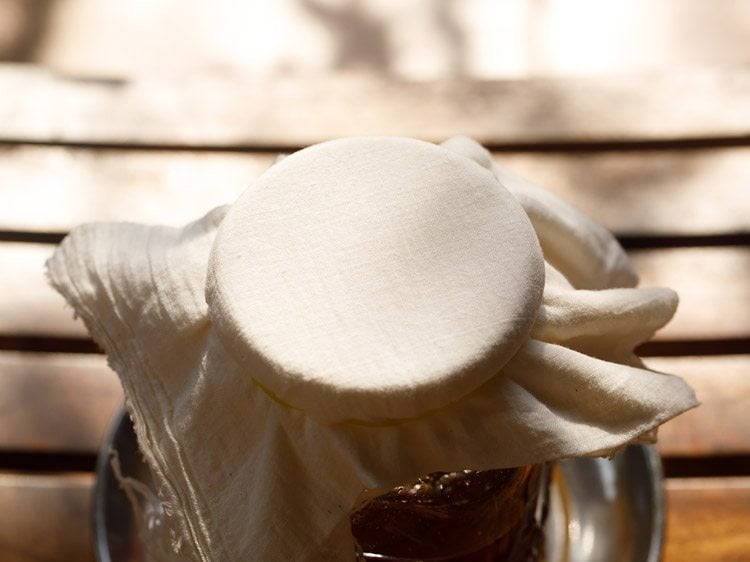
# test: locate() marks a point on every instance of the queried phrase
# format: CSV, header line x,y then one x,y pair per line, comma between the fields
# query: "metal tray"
x,y
600,510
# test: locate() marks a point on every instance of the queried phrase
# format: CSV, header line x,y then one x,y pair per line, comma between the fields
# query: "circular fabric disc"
x,y
374,278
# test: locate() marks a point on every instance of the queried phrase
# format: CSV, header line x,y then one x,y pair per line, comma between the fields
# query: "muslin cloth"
x,y
250,472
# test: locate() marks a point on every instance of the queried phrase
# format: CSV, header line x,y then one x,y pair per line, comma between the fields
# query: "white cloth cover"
x,y
379,287
248,476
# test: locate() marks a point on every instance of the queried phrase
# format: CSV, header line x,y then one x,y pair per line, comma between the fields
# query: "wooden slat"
x,y
55,402
645,192
296,111
712,283
52,189
713,288
472,38
45,518
29,306
708,519
649,192
74,397
721,424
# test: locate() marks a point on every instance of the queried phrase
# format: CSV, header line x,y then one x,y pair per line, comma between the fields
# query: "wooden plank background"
x,y
645,192
670,179
661,158
662,194
429,39
46,517
708,520
293,111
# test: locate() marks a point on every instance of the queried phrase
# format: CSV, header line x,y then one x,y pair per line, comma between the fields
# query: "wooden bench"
x,y
662,160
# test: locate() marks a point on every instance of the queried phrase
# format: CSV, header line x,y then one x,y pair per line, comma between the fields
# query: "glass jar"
x,y
466,516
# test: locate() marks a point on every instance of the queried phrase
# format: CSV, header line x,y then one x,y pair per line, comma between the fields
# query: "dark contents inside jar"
x,y
467,516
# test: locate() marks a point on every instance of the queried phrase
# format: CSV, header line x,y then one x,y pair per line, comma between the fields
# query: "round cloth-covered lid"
x,y
374,278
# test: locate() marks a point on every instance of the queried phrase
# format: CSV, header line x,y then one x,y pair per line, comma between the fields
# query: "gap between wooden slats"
x,y
707,519
689,192
76,395
712,283
295,111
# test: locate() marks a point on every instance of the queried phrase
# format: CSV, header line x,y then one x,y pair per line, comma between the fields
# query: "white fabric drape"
x,y
247,477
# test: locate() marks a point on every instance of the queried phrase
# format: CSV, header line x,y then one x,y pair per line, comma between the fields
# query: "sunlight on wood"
x,y
718,425
419,40
75,398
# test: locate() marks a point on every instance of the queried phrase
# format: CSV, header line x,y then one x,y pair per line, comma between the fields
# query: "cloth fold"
x,y
248,477
608,323
583,250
